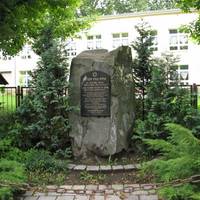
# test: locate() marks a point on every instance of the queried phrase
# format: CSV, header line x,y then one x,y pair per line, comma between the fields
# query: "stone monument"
x,y
101,86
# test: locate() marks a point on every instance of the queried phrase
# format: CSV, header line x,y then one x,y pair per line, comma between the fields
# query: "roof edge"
x,y
142,14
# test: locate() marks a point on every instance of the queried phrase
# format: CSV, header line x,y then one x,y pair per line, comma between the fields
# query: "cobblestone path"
x,y
95,192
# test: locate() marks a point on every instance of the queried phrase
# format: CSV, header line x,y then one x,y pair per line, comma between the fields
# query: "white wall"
x,y
161,21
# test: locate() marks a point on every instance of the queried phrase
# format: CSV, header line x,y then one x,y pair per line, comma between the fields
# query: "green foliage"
x,y
22,20
165,102
86,176
41,160
9,152
107,7
194,28
12,177
179,159
142,64
43,116
161,4
42,178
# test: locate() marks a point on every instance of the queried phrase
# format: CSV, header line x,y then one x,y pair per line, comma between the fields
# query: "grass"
x,y
199,102
7,102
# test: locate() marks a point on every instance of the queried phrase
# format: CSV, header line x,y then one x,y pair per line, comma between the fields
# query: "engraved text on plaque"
x,y
95,94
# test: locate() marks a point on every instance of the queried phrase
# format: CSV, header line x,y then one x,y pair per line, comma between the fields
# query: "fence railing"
x,y
12,97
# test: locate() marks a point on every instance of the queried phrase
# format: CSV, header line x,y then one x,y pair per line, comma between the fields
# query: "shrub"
x,y
165,102
41,160
179,159
42,119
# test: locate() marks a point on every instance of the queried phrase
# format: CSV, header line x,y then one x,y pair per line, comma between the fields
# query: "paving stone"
x,y
109,191
97,197
91,187
80,167
129,167
90,192
117,167
148,197
128,190
92,168
117,187
152,191
140,192
30,198
105,168
28,193
103,187
52,187
131,186
40,194
70,191
132,197
53,194
60,190
71,166
81,197
78,187
47,198
66,187
66,197
68,194
113,197
148,186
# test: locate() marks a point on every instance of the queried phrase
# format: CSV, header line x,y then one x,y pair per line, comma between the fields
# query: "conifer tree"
x,y
44,112
143,62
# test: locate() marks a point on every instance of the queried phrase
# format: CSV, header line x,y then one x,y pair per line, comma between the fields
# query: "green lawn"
x,y
199,102
7,102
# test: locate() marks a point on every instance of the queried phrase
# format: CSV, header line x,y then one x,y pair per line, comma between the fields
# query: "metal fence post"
x,y
194,95
18,96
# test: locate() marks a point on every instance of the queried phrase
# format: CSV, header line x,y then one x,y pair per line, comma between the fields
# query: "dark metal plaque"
x,y
95,94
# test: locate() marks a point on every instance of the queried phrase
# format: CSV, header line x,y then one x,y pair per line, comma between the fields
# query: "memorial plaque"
x,y
95,94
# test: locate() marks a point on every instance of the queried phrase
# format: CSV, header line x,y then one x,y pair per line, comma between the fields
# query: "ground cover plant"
x,y
178,159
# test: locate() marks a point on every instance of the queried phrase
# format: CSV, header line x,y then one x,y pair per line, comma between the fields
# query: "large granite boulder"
x,y
101,86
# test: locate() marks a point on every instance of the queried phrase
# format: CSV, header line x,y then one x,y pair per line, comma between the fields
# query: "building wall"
x,y
100,35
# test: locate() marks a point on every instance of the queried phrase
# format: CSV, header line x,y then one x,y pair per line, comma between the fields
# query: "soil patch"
x,y
115,177
122,158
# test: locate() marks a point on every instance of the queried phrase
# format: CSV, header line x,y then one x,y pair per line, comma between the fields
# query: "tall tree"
x,y
161,4
106,7
194,28
21,20
44,112
143,63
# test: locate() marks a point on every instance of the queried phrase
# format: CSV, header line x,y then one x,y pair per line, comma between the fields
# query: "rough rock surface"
x,y
103,136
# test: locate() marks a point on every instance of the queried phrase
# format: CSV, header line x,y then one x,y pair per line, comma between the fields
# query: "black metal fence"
x,y
11,97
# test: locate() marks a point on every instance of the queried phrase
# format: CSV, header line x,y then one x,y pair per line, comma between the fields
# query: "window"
x,y
182,74
2,57
71,49
120,39
24,78
177,40
7,75
154,36
26,52
94,42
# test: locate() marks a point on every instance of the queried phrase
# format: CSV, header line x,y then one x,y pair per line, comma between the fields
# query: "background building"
x,y
111,31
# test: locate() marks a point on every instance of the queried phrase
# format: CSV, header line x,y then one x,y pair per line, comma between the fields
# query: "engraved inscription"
x,y
95,94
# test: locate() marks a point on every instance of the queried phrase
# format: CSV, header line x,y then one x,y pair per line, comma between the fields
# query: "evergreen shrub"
x,y
178,159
